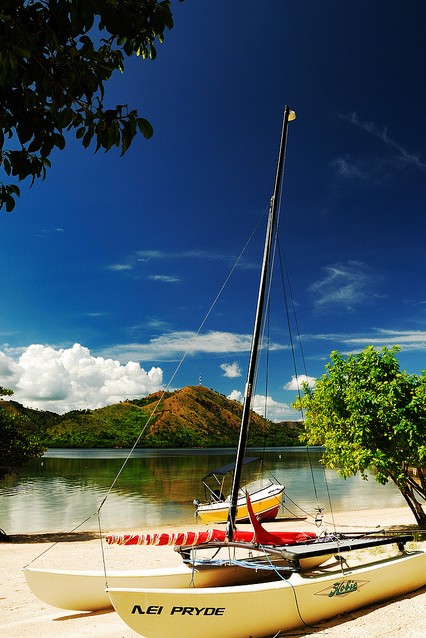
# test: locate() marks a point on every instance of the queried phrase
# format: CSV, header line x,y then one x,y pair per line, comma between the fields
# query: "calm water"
x,y
62,489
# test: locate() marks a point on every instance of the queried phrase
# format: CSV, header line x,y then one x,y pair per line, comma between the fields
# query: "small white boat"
x,y
266,495
265,609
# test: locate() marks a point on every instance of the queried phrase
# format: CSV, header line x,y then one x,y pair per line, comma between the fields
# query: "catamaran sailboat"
x,y
294,597
283,580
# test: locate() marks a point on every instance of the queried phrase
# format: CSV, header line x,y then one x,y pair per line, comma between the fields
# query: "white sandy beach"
x,y
22,615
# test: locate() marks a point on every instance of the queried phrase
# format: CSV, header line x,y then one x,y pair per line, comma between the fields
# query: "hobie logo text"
x,y
343,588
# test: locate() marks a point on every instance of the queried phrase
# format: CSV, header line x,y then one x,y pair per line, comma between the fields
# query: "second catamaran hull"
x,y
85,590
261,610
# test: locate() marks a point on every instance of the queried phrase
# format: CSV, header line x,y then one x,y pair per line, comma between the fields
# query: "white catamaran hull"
x,y
261,610
85,590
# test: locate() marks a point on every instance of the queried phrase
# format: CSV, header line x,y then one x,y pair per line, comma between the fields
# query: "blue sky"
x,y
111,264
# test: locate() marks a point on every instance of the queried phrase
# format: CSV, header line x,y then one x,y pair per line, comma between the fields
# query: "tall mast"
x,y
272,216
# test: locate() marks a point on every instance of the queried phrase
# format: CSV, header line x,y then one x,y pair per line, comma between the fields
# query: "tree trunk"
x,y
415,506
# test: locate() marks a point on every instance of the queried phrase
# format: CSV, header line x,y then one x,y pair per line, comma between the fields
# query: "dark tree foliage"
x,y
55,58
17,444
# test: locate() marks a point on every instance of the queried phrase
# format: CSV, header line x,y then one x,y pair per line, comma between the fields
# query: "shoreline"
x,y
390,517
25,616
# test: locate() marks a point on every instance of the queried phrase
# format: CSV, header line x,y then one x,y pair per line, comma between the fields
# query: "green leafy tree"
x,y
17,445
371,415
55,58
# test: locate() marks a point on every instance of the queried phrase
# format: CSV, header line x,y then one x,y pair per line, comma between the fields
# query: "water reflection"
x,y
157,487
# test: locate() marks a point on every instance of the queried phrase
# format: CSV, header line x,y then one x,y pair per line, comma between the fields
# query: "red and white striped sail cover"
x,y
183,539
173,538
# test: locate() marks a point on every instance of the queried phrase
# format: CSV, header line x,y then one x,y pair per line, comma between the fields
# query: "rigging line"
x,y
276,248
188,350
265,341
273,205
268,343
325,521
262,347
271,267
267,315
299,340
288,498
296,602
56,542
329,500
102,550
285,282
293,307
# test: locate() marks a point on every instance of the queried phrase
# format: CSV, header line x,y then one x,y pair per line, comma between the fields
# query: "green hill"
x,y
193,417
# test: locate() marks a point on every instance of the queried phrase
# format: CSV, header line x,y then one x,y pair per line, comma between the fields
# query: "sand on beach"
x,y
22,615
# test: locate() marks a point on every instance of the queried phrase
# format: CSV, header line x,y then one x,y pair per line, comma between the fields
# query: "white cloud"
x,y
145,255
168,279
344,285
9,370
142,257
231,370
268,407
373,169
97,314
296,382
119,267
404,156
171,346
409,340
66,379
350,168
236,395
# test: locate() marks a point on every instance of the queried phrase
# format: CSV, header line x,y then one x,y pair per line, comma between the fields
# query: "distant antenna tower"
x,y
200,380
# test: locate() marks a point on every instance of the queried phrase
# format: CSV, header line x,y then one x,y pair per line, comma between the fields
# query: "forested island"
x,y
192,417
